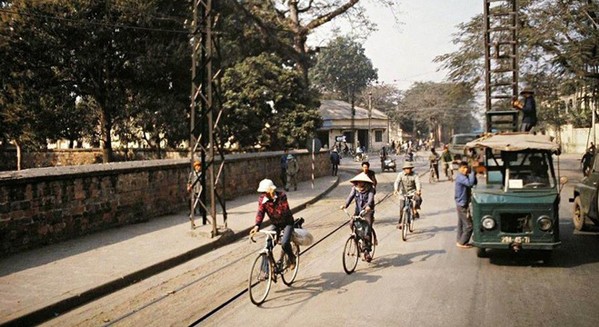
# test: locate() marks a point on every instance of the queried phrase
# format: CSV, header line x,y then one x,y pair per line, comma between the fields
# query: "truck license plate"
x,y
516,239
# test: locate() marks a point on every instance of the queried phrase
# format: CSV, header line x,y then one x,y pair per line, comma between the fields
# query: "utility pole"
x,y
204,126
369,119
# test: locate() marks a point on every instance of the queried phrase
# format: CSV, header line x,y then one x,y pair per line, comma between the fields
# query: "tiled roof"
x,y
336,109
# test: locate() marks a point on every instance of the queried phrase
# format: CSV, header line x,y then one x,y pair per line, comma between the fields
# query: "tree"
x,y
100,52
268,104
342,69
432,107
297,19
558,42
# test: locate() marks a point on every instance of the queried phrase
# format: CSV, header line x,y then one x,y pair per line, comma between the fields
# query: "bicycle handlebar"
x,y
269,234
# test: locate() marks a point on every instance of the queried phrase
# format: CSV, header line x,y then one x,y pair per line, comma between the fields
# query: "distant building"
x,y
337,123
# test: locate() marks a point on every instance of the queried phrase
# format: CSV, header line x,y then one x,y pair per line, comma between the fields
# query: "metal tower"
x,y
501,64
205,113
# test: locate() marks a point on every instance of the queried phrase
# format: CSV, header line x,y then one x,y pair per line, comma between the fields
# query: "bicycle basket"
x,y
361,227
302,237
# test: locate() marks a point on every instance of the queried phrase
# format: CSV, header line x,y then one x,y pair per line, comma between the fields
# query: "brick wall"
x,y
47,205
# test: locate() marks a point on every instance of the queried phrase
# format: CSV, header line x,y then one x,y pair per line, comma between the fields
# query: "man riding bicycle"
x,y
446,160
363,193
408,182
433,161
276,206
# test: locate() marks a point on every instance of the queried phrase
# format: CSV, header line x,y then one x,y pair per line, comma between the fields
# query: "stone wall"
x,y
71,157
47,205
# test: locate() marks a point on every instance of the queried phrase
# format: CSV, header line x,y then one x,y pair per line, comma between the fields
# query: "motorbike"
x,y
389,164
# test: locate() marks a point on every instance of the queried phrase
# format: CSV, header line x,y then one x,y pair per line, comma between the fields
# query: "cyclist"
x,y
433,161
371,174
446,160
276,206
410,183
363,193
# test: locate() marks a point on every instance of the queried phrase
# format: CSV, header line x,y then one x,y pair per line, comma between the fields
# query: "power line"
x,y
87,22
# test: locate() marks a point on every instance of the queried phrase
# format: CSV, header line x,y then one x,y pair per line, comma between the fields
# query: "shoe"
x,y
367,257
398,226
416,214
463,246
291,264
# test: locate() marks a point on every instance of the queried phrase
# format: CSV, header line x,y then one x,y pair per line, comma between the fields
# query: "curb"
x,y
52,310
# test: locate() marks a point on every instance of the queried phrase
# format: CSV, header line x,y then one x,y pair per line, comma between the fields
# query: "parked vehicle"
x,y
518,206
457,144
585,198
389,164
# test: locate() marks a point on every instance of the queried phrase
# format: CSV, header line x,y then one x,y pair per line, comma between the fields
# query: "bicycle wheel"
x,y
260,279
404,224
411,224
374,242
351,253
288,275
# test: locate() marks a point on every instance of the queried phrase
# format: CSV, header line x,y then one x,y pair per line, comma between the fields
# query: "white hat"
x,y
266,185
407,164
362,177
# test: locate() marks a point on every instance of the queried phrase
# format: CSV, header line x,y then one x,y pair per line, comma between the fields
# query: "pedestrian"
x,y
283,165
465,180
363,194
392,145
276,206
194,187
292,170
335,161
371,174
433,161
383,156
529,110
587,160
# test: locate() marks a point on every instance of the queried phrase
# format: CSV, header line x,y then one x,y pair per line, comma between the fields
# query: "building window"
x,y
378,136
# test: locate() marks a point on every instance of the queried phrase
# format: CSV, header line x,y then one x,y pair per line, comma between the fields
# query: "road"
x,y
425,281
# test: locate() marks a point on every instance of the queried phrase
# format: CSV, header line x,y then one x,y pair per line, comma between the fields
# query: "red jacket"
x,y
277,209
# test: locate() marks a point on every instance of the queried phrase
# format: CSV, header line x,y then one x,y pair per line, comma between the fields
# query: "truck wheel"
x,y
481,252
578,217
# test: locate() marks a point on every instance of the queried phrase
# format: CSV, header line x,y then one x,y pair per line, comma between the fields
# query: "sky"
x,y
403,54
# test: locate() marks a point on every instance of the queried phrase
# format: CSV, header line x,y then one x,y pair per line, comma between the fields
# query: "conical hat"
x,y
361,177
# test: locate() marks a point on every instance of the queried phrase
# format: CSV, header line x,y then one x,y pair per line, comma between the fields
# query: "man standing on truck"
x,y
529,110
464,182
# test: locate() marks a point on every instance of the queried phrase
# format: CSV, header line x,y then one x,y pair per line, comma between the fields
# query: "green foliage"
x,y
343,69
124,60
268,104
426,106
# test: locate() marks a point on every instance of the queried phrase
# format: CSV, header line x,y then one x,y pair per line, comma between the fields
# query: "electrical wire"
x,y
87,22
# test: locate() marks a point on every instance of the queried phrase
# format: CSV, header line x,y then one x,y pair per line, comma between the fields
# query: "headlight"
x,y
488,222
545,223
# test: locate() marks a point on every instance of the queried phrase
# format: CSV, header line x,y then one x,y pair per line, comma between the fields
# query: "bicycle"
x,y
265,268
432,177
407,216
355,243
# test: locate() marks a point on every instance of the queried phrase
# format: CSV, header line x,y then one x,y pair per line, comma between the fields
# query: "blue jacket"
x,y
363,199
463,188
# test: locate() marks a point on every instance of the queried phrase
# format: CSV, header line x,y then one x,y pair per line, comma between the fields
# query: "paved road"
x,y
425,281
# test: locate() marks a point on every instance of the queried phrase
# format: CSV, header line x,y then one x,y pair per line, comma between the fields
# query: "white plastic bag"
x,y
302,237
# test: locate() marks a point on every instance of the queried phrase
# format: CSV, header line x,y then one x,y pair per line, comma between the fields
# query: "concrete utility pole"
x,y
369,119
204,126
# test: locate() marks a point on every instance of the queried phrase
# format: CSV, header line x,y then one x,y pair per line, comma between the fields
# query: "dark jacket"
x,y
363,199
335,158
529,111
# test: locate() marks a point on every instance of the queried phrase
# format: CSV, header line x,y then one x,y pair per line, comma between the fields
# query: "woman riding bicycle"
x,y
276,206
408,182
363,193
